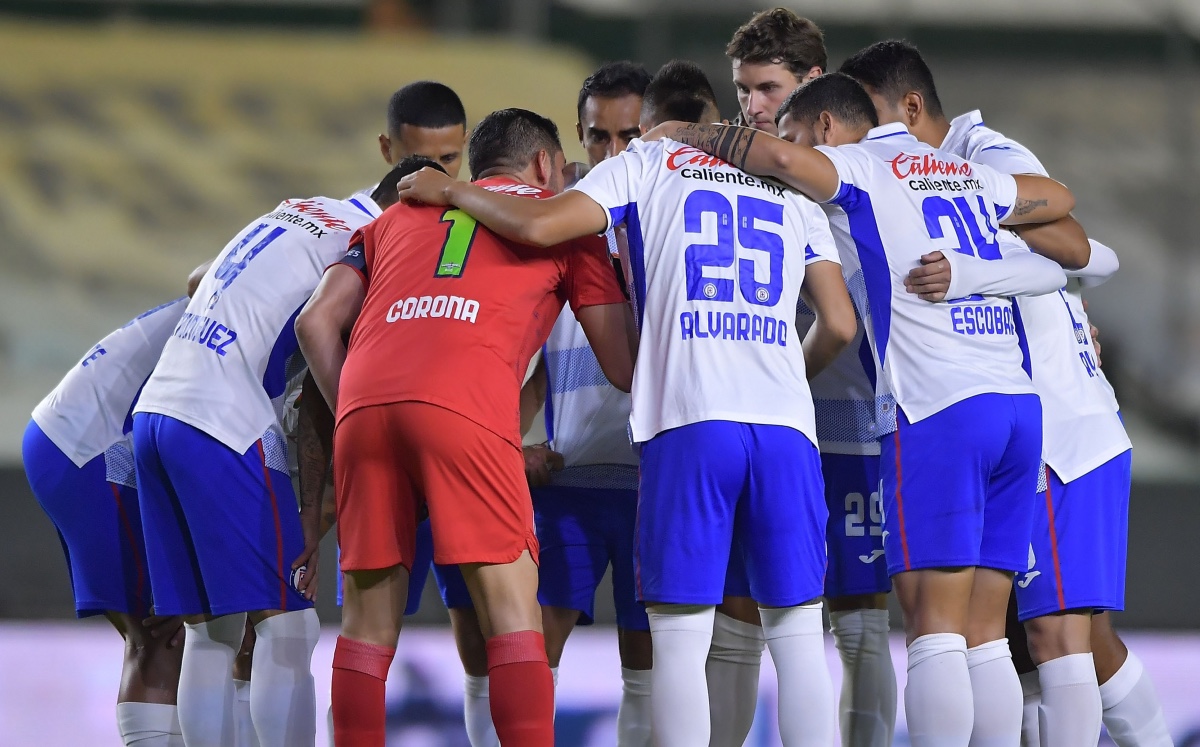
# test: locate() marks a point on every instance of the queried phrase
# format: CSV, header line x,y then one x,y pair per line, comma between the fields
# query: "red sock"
x,y
359,681
522,689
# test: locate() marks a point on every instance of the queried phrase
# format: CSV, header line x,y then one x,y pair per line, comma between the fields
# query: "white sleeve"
x,y
999,187
616,183
1101,266
821,247
1007,157
853,167
1019,272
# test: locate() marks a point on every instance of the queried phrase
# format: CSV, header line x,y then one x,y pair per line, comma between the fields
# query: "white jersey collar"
x,y
960,130
893,130
365,204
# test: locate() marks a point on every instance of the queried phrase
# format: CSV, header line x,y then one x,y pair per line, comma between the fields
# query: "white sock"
x,y
867,708
682,634
633,717
996,692
283,698
477,713
554,675
1132,711
149,725
243,725
206,692
1031,691
796,639
734,660
1070,712
937,698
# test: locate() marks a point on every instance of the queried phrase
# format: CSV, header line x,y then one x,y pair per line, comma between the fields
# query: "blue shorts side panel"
x,y
699,481
958,486
99,524
222,528
854,534
581,531
416,579
1080,540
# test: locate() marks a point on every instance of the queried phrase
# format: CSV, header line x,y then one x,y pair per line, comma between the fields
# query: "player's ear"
x,y
543,168
385,148
579,132
825,128
912,105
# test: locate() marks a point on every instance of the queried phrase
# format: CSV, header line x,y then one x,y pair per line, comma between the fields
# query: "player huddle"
x,y
837,349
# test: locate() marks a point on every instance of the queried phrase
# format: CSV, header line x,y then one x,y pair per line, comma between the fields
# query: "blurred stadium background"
x,y
136,136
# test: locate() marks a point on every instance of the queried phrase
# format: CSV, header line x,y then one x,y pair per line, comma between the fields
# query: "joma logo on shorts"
x,y
434,307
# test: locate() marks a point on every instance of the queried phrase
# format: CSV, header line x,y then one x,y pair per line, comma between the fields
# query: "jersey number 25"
x,y
723,252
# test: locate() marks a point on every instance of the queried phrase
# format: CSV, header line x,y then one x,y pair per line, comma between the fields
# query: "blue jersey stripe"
x,y
548,410
628,214
864,230
275,377
361,207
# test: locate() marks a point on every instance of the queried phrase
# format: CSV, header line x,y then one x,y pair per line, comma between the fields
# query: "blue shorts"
x,y
854,536
1080,538
449,579
581,532
98,522
959,486
706,483
222,528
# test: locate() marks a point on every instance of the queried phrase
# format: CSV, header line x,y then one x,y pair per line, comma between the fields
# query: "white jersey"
x,y
900,199
226,367
587,418
91,408
849,413
1081,427
718,259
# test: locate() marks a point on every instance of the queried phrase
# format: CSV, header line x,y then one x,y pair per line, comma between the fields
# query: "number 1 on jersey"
x,y
457,246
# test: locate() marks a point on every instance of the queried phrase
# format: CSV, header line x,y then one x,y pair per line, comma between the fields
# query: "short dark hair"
x,y
679,91
613,80
385,192
836,93
510,138
425,103
892,68
779,36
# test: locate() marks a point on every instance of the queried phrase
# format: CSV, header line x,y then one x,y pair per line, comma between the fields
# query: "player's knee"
x,y
636,649
1054,636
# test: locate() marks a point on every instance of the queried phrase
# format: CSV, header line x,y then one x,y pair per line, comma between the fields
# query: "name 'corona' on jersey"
x,y
434,307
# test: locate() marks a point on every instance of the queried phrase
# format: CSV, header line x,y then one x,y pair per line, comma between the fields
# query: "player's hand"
x,y
1095,332
170,628
305,582
429,186
540,461
931,280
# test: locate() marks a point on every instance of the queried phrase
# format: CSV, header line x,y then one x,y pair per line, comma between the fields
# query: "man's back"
x,y
718,260
900,200
227,364
453,314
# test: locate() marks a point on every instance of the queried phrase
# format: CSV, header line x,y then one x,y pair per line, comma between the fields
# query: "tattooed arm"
x,y
314,441
805,169
1039,200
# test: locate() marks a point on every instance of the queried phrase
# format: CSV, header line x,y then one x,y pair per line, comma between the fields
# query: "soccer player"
x,y
957,524
772,54
78,458
1077,556
586,512
445,319
721,406
217,506
426,119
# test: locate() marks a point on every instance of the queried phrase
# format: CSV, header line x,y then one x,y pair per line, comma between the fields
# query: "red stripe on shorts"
x,y
133,548
1058,583
900,505
278,526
